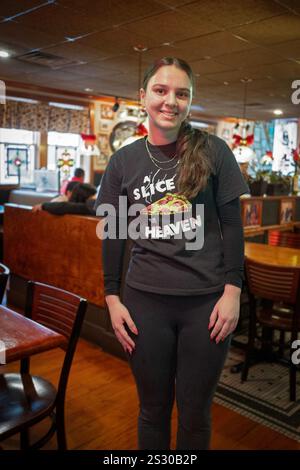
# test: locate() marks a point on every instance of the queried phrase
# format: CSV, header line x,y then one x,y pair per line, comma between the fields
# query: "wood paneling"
x,y
60,250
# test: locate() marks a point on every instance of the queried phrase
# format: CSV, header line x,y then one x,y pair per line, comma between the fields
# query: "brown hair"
x,y
82,192
192,144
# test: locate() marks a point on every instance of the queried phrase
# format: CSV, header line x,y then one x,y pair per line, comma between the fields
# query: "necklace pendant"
x,y
156,162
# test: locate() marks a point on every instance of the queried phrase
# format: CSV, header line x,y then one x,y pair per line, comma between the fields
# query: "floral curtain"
x,y
42,117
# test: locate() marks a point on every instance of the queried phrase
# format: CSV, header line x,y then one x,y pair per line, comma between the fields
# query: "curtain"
x,y
42,117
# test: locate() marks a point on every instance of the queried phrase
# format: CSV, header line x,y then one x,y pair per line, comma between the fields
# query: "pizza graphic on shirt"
x,y
169,204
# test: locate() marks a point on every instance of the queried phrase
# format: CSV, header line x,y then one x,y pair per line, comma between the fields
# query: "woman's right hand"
x,y
119,316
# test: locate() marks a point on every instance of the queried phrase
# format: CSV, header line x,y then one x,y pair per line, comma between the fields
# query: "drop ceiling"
x,y
76,44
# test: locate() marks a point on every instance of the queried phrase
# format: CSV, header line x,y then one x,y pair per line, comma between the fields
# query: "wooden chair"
x,y
4,274
287,239
27,399
278,291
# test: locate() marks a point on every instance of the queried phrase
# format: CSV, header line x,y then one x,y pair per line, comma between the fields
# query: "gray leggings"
x,y
173,347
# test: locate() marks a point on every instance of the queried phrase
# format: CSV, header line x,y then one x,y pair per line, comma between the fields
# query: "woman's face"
x,y
167,98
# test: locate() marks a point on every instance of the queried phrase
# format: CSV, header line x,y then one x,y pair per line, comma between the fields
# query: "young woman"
x,y
179,304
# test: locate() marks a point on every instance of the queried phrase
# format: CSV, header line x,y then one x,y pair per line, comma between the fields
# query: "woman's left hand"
x,y
225,315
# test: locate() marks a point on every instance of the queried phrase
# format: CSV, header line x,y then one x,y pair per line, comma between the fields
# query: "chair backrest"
x,y
273,282
287,239
4,274
60,311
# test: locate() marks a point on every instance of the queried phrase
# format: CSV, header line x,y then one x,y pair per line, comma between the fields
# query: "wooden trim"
x,y
266,198
43,150
46,94
260,230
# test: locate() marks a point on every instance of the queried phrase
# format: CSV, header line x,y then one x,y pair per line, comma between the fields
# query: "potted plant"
x,y
258,184
278,184
259,170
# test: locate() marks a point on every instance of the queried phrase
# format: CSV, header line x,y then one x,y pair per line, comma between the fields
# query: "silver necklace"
x,y
155,161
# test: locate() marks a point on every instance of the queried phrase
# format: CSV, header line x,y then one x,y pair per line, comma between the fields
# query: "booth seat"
x,y
63,251
28,197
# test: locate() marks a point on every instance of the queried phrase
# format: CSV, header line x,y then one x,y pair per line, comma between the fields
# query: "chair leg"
x,y
281,343
60,430
250,346
24,439
245,369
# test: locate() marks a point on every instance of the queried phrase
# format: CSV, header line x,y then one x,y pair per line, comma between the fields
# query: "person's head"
x,y
166,94
82,192
79,173
69,188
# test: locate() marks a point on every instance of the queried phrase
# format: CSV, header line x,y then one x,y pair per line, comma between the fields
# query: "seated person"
x,y
81,202
78,178
68,193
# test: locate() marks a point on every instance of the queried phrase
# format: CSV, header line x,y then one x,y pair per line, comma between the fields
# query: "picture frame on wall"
x,y
103,143
287,211
100,161
105,126
252,213
106,112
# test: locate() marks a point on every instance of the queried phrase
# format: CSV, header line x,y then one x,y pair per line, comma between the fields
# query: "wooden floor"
x,y
101,409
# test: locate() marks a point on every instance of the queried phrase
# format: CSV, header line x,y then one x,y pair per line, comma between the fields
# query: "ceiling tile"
x,y
212,45
292,5
229,13
17,36
252,57
272,31
208,34
171,26
108,13
205,66
11,8
288,49
73,50
114,41
58,21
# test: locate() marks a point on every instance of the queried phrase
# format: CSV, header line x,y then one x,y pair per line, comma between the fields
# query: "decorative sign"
x,y
287,208
252,212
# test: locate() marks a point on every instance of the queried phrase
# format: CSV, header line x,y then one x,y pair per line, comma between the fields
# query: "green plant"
x,y
278,178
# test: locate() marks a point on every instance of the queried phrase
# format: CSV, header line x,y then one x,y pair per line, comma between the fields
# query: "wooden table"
x,y
273,255
23,337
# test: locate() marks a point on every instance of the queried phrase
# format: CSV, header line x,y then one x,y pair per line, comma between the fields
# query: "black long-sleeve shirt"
x,y
166,260
233,249
62,208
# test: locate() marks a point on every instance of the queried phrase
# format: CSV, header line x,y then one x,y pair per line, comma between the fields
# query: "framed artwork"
x,y
106,112
287,208
99,162
105,126
252,212
120,133
103,143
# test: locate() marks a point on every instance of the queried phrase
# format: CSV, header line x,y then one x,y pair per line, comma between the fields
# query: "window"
x,y
18,151
62,145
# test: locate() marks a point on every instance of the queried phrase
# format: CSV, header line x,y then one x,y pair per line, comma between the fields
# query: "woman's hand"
x,y
119,316
37,208
225,314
